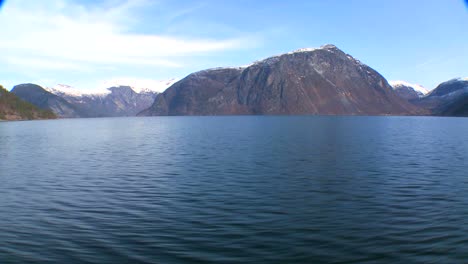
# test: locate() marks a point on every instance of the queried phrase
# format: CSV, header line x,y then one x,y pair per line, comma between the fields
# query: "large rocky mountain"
x,y
69,103
323,81
408,91
13,108
448,99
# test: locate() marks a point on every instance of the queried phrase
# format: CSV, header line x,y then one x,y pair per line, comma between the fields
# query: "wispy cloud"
x,y
431,62
185,11
63,35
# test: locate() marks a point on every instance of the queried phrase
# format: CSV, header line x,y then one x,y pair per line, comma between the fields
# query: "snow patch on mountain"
x,y
62,89
273,59
137,85
303,50
140,85
416,87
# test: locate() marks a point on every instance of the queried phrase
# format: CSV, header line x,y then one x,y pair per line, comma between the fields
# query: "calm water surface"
x,y
235,190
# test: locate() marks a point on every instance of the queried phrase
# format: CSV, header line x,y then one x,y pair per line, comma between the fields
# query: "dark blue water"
x,y
235,190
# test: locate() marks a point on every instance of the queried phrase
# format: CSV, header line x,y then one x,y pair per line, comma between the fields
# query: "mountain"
x,y
448,98
110,102
322,81
43,99
68,102
407,90
13,108
142,85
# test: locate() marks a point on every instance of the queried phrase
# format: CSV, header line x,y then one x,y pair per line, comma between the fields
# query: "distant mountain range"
x,y
321,81
68,102
13,108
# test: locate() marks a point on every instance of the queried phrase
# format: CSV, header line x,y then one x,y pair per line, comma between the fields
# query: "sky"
x,y
89,44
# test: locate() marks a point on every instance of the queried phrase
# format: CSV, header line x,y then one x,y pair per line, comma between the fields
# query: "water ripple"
x,y
234,189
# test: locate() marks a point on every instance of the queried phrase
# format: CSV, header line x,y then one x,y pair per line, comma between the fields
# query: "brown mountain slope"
x,y
323,81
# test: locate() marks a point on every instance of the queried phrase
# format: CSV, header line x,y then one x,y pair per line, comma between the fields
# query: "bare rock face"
x,y
210,92
323,81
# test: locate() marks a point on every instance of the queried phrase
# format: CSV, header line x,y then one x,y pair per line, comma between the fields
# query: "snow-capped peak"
x,y
69,90
272,59
137,85
141,85
324,47
302,50
416,87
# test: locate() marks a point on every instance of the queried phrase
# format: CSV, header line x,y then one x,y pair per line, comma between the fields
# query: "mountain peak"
x,y
141,85
323,81
63,89
329,46
323,47
27,86
303,50
449,98
408,91
451,87
12,107
417,87
273,59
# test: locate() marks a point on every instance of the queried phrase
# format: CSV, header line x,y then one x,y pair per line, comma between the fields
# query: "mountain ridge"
x,y
321,80
408,90
68,102
45,100
13,108
449,98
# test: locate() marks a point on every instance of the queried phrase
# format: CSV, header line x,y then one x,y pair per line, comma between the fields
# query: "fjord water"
x,y
245,189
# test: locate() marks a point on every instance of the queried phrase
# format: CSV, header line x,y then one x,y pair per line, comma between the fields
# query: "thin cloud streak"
x,y
46,37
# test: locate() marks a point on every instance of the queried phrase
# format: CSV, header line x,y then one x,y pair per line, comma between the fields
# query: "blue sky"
x,y
88,44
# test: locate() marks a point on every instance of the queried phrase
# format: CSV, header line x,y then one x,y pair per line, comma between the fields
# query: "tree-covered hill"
x,y
13,108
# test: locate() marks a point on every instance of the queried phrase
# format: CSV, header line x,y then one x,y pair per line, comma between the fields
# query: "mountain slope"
x,y
407,90
71,103
43,99
13,108
113,102
323,81
448,98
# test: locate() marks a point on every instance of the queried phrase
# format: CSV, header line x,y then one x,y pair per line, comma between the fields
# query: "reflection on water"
x,y
235,189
